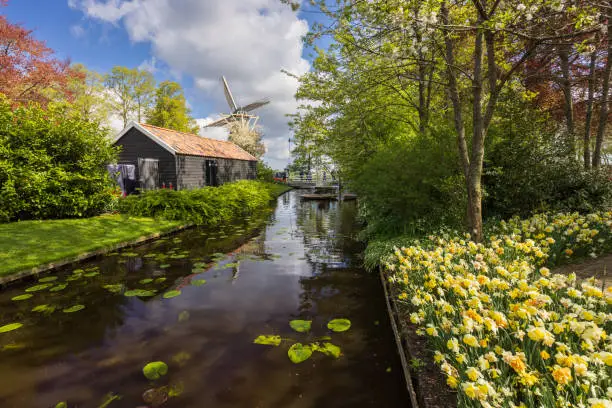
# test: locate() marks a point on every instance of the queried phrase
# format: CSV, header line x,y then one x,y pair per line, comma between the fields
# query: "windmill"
x,y
238,113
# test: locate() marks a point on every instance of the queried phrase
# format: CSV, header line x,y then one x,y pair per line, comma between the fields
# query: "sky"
x,y
193,42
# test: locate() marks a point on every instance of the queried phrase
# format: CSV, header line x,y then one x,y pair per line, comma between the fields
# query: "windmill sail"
x,y
254,105
228,95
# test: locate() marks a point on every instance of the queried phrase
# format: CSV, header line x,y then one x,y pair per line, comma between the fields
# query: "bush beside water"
x,y
204,206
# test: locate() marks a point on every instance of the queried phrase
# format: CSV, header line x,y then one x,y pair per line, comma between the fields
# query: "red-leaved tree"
x,y
29,70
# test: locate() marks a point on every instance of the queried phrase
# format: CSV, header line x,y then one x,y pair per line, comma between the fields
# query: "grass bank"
x,y
29,244
503,329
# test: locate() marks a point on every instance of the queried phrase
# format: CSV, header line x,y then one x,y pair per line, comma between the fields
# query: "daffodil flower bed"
x,y
504,330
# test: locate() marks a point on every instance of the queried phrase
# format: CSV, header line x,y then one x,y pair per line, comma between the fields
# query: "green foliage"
x,y
170,109
300,326
339,325
268,340
155,370
299,353
205,206
10,327
52,164
264,172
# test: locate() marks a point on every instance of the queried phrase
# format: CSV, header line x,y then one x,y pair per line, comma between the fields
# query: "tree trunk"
x,y
603,113
589,112
568,107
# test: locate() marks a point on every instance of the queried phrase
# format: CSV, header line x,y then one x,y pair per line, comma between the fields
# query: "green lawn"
x,y
27,244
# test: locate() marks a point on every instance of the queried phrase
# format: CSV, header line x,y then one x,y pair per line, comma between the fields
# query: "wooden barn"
x,y
171,159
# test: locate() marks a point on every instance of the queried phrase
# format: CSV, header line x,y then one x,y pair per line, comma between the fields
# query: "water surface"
x,y
299,261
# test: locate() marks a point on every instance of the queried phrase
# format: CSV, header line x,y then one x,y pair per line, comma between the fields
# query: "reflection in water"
x,y
303,264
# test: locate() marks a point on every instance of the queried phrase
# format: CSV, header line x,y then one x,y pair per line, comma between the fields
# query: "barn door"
x,y
211,173
149,173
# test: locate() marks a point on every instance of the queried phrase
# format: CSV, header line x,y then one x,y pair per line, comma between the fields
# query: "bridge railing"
x,y
317,179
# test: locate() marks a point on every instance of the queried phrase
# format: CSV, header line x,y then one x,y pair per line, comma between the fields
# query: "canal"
x,y
197,301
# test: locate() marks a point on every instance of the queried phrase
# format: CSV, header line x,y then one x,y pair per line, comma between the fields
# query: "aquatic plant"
x,y
171,293
44,309
47,279
198,282
73,309
145,281
155,370
36,288
62,404
10,327
299,352
116,288
58,287
139,292
22,297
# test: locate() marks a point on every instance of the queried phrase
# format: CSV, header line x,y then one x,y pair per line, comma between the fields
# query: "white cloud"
x,y
77,31
149,65
248,41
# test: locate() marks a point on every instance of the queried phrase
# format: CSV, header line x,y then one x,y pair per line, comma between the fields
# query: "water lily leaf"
x,y
74,308
61,405
145,281
329,349
10,327
58,287
339,325
199,265
171,293
198,282
178,256
183,316
36,288
299,353
160,279
78,271
181,357
129,254
164,266
22,297
44,309
301,326
174,390
74,278
151,255
91,274
113,288
47,279
268,340
139,292
155,370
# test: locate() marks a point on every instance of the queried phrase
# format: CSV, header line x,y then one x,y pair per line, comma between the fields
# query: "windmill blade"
x,y
254,105
221,122
228,95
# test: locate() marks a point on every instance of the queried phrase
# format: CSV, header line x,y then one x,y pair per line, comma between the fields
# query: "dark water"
x,y
299,261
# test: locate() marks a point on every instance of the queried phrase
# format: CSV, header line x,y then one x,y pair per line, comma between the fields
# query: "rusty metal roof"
x,y
194,145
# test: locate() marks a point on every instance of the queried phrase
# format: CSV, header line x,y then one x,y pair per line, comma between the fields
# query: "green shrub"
x,y
52,164
203,206
264,172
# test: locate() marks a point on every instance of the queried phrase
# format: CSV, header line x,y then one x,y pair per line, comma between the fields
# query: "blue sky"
x,y
79,34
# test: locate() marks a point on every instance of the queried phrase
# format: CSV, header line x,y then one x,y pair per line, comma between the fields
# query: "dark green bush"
x,y
264,172
203,206
52,164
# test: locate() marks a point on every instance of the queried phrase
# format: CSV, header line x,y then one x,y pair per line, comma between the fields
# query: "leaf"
x,y
339,325
130,254
145,281
164,266
10,327
61,405
22,297
268,340
329,349
160,279
198,282
300,326
139,292
58,287
37,288
299,353
43,309
155,370
74,308
91,274
47,279
113,288
178,256
171,293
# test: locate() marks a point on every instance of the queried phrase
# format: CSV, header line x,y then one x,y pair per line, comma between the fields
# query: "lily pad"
x,y
299,353
178,256
22,297
44,308
36,288
155,370
160,279
61,405
145,281
329,349
268,340
301,326
47,279
78,271
10,327
198,282
139,292
164,266
74,278
58,287
339,325
171,293
74,308
151,255
91,274
198,265
131,254
113,288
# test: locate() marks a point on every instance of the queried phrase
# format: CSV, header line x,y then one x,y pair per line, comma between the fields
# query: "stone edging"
x,y
18,276
402,349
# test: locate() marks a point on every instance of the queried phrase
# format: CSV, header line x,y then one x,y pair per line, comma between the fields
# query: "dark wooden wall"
x,y
134,145
232,170
191,171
